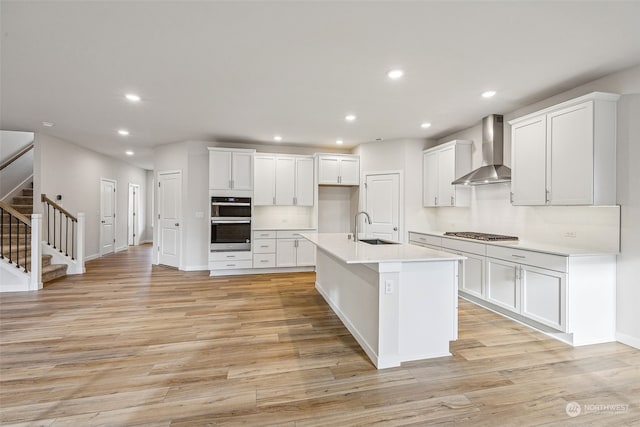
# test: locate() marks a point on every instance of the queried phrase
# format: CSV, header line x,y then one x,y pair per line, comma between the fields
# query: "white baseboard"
x,y
122,248
90,257
144,242
628,340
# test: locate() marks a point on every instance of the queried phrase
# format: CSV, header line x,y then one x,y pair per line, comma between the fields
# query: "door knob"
x,y
177,224
395,228
103,221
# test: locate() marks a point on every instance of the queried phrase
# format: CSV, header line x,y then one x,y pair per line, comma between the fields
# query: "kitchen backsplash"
x,y
596,227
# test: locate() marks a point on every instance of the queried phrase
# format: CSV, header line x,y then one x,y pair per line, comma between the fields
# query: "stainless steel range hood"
x,y
492,169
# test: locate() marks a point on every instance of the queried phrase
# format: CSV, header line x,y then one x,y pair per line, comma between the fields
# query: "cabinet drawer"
x,y
425,239
291,234
264,260
464,246
230,265
231,256
264,246
264,234
536,259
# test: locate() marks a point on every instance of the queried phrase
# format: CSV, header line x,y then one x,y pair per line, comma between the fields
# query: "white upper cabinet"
x,y
441,166
230,169
283,180
338,169
566,154
264,186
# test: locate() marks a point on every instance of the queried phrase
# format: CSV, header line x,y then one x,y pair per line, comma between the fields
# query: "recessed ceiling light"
x,y
132,97
129,153
425,125
47,124
349,117
277,138
339,141
123,132
395,74
488,94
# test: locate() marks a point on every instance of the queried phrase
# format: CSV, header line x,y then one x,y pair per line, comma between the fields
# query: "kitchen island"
x,y
398,301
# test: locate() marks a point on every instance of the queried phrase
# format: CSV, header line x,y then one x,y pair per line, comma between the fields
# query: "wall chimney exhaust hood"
x,y
492,170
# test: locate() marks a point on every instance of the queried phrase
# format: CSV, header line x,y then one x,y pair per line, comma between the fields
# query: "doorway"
x,y
133,215
107,216
382,203
169,218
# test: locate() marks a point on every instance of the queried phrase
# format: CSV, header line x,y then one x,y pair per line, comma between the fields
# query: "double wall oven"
x,y
230,224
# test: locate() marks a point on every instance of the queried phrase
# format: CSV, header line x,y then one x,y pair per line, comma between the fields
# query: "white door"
x,y
107,216
242,171
264,187
304,182
169,215
133,215
285,180
430,179
528,162
382,203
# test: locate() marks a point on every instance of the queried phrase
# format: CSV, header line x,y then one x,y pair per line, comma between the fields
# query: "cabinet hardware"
x,y
231,265
295,200
511,197
264,246
177,224
274,200
547,196
452,201
264,260
518,256
435,200
231,256
339,180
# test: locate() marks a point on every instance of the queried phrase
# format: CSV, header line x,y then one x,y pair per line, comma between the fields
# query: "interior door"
x,y
169,218
133,215
107,216
382,203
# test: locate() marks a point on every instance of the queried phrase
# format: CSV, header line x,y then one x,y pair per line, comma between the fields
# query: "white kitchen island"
x,y
400,302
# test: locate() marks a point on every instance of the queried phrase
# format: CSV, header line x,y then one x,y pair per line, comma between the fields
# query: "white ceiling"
x,y
247,70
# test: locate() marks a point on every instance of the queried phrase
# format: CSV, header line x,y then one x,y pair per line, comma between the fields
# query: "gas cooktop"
x,y
480,236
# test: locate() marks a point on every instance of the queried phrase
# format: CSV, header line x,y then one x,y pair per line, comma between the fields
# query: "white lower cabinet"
x,y
544,294
472,281
295,252
503,284
232,260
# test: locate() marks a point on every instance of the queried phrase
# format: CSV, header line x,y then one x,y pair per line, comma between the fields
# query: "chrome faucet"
x,y
355,224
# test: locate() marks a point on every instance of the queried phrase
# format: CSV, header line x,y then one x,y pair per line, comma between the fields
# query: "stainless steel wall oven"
x,y
230,224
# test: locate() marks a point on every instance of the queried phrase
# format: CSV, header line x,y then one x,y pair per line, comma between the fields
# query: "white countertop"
x,y
527,245
338,245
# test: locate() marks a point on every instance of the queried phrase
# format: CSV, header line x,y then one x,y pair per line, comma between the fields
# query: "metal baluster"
x,y
26,247
54,229
2,234
18,243
66,237
10,238
48,226
73,239
60,216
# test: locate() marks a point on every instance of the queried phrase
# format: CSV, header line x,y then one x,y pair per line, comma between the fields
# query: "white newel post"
x,y
80,241
35,281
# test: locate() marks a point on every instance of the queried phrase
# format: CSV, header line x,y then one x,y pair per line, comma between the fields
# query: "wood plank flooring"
x,y
131,344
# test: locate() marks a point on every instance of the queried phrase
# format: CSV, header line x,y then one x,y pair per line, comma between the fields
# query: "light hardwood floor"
x,y
131,344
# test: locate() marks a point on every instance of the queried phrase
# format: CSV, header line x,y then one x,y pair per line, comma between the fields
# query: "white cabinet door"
x,y
286,253
503,285
528,162
219,170
446,175
305,253
349,171
473,275
242,171
430,179
570,155
285,180
544,296
264,183
304,182
328,169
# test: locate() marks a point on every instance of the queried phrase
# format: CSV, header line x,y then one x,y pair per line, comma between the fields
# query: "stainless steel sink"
x,y
377,242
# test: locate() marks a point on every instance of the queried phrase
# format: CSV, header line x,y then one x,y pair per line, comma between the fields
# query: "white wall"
x,y
17,172
61,167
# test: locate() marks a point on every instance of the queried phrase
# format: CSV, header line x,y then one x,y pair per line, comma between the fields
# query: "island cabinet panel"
x,y
566,154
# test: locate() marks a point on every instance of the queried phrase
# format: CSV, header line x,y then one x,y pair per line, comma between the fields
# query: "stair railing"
x,y
61,228
16,156
18,227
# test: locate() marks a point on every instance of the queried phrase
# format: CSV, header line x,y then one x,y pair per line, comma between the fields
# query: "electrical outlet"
x,y
388,287
570,234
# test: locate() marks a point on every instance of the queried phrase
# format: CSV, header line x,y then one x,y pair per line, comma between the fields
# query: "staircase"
x,y
24,205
